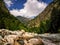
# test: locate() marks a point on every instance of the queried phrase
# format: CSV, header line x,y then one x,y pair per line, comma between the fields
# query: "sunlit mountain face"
x,y
26,8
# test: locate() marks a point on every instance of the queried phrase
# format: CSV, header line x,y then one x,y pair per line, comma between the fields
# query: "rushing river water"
x,y
49,42
51,39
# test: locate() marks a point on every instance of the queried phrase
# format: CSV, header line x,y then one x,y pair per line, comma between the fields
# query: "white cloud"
x,y
31,8
8,2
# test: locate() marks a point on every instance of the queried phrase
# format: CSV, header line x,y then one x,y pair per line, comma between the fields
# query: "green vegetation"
x,y
44,26
8,21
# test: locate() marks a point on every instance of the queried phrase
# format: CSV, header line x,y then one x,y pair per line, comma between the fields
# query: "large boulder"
x,y
27,35
11,38
36,41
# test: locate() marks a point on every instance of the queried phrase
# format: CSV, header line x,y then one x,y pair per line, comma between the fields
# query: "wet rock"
x,y
21,42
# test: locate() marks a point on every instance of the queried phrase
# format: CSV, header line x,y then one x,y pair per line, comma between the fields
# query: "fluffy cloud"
x,y
31,8
8,2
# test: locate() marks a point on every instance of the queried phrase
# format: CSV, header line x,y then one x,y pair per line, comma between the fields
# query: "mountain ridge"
x,y
23,19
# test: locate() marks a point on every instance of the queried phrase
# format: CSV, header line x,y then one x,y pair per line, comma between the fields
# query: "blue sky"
x,y
26,8
17,4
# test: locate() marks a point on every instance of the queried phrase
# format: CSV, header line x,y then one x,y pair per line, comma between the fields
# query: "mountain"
x,y
23,19
48,20
8,21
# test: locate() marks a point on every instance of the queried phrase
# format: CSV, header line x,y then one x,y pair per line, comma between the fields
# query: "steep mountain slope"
x,y
36,21
23,19
8,21
51,14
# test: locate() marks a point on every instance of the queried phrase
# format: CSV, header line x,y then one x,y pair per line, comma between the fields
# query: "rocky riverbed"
x,y
18,37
